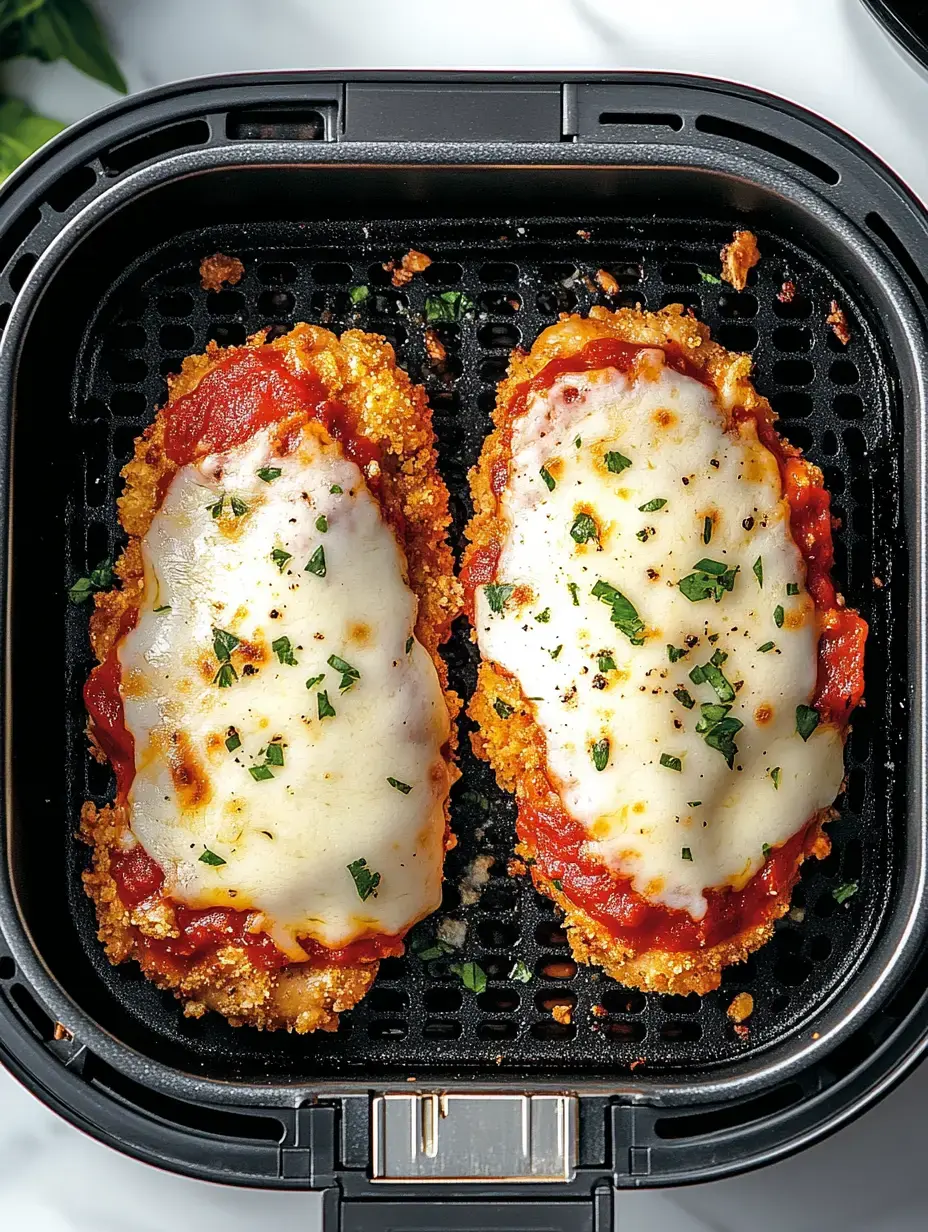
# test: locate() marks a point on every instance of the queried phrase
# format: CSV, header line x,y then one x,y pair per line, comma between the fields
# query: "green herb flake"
x,y
409,642
503,709
210,858
584,529
710,714
550,482
269,473
807,719
365,881
359,294
686,854
710,579
165,607
239,508
697,675
316,562
400,786
616,463
775,776
260,774
223,644
350,675
471,975
674,653
437,950
624,614
606,663
324,707
98,579
498,595
684,698
693,803
766,646
652,506
718,657
314,680
766,850
336,489
274,755
233,740
792,588
758,568
521,972
280,558
778,616
544,617
284,651
448,307
721,738
577,442
226,676
706,529
600,754
216,508
713,674
555,653
644,534
671,763
710,278
574,593
843,892
322,523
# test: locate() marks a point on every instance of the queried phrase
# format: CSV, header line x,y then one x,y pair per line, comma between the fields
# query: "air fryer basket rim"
x,y
897,948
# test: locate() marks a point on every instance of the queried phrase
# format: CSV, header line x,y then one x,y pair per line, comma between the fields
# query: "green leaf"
x,y
216,507
471,975
358,295
365,881
98,579
316,563
778,616
842,893
550,482
606,663
671,763
322,523
324,707
706,529
711,713
503,709
807,719
652,506
498,594
683,697
708,565
284,651
260,774
775,775
721,738
409,642
697,675
584,528
792,588
624,614
226,676
686,854
22,132
448,306
766,646
233,740
600,754
544,617
274,755
165,607
574,593
675,652
210,858
616,463
521,972
349,674
314,680
239,508
399,785
710,278
711,578
223,644
336,489
758,568
269,473
63,30
555,653
714,675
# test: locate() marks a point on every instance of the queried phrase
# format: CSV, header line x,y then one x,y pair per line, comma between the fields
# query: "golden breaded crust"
x,y
515,746
360,371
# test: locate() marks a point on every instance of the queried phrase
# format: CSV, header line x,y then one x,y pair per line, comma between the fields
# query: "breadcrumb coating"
x,y
515,746
360,371
739,258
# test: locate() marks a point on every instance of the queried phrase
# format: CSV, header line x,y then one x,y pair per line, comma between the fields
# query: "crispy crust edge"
x,y
360,370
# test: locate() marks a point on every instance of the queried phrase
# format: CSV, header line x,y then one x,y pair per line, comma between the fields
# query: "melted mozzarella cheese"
x,y
287,837
674,832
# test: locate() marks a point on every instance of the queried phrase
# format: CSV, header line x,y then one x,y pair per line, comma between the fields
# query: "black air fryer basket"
x,y
431,1106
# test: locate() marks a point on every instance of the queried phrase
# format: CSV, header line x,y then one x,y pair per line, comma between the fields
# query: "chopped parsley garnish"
x,y
322,523
274,756
706,529
239,508
606,663
574,593
350,675
358,295
498,594
316,562
556,651
671,763
98,579
711,713
577,442
711,673
216,507
721,738
624,614
600,754
399,785
365,881
778,616
684,698
260,774
314,680
675,652
409,642
807,719
269,473
165,607
447,306
210,858
710,278
766,850
324,707
792,588
426,953
336,489
284,651
471,975
223,644
226,676
548,478
544,617
710,577
584,529
280,558
233,740
645,533
718,657
758,568
775,775
503,709
652,506
697,675
842,893
521,972
616,463
693,803
766,646
686,854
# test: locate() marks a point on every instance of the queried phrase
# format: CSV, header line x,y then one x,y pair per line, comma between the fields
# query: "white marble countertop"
x,y
828,55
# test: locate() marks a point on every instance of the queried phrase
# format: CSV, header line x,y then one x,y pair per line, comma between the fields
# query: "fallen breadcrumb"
x,y
561,1014
787,292
838,322
742,1007
607,283
412,263
452,932
434,347
475,878
598,1011
219,268
739,258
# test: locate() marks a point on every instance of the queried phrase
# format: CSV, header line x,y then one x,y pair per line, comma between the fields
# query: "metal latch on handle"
x,y
469,1136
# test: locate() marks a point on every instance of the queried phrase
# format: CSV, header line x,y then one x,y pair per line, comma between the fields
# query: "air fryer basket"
x,y
517,188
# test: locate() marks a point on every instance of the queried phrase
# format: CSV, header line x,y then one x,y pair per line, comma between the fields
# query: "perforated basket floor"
x,y
520,276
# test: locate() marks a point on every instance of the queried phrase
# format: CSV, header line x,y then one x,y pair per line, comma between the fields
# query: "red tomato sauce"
x,y
247,391
557,838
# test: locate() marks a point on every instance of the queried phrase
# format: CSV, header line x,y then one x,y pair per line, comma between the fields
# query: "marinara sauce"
x,y
250,389
551,832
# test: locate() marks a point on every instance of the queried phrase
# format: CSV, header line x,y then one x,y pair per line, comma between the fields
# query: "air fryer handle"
x,y
455,1214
